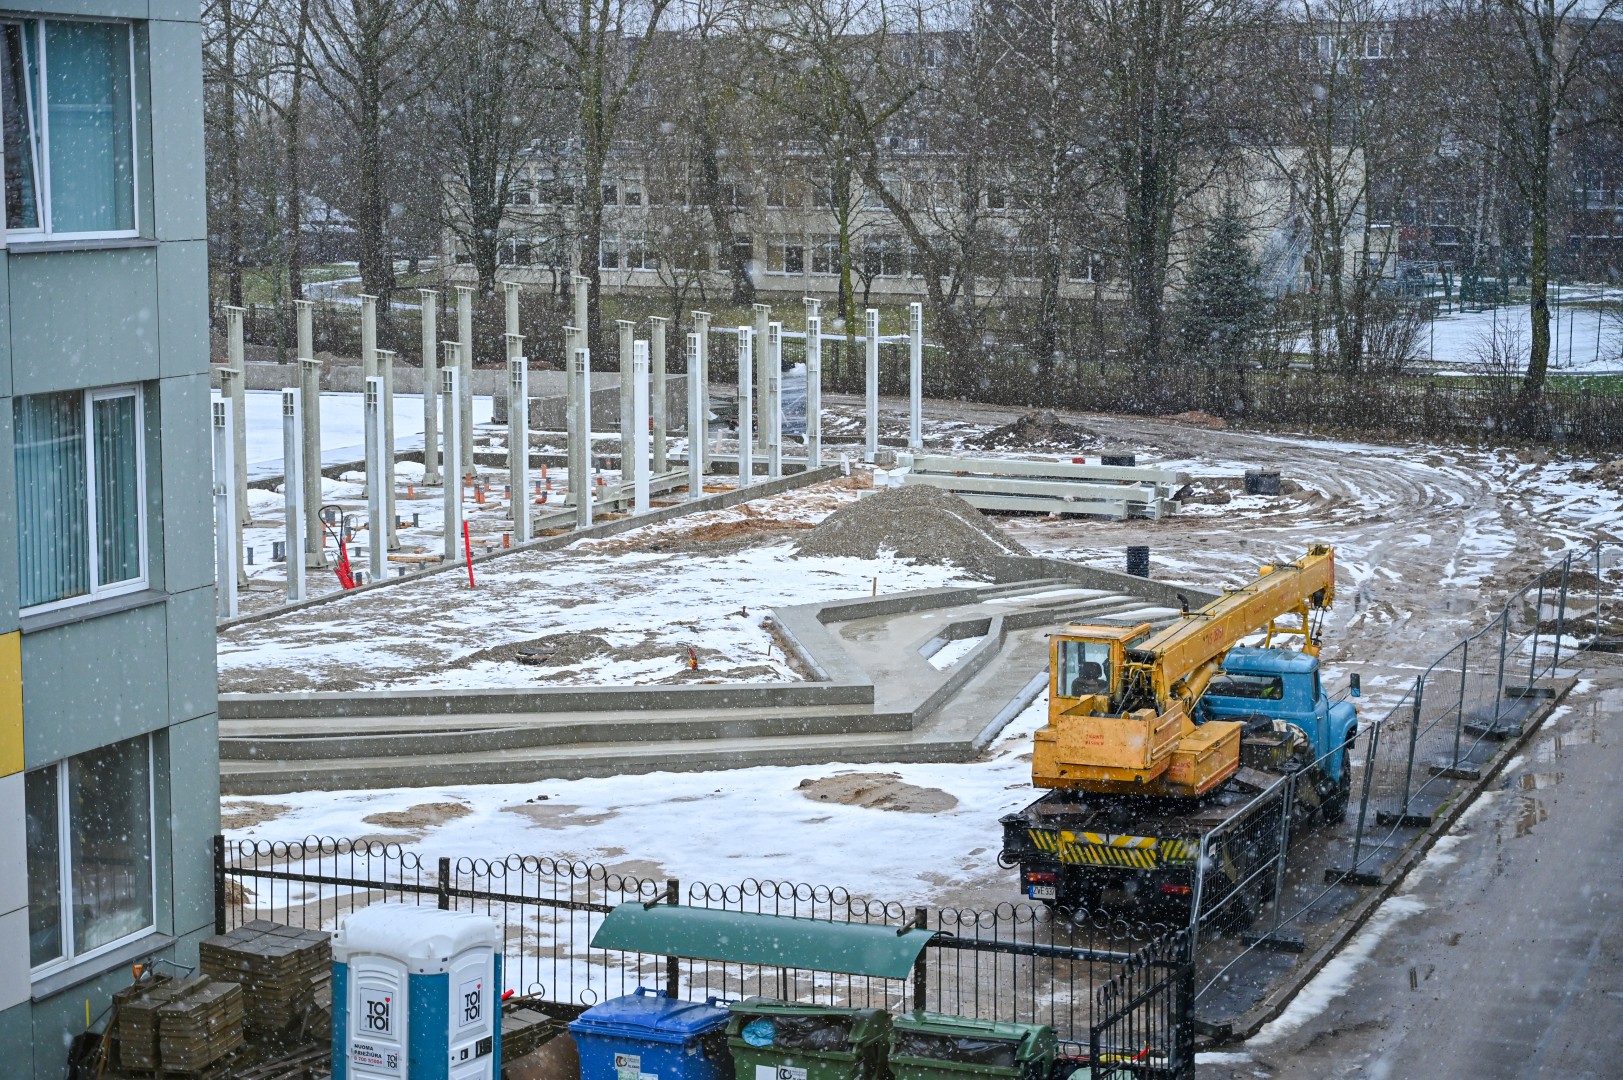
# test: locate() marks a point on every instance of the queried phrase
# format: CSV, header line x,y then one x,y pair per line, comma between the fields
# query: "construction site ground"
x,y
1429,540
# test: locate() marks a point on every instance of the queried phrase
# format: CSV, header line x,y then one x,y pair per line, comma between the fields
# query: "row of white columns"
x,y
447,406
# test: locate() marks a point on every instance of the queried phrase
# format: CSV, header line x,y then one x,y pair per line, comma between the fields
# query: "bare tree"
x,y
375,61
605,44
228,33
488,108
1530,57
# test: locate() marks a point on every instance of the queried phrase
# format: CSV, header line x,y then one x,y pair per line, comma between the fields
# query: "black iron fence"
x,y
1113,990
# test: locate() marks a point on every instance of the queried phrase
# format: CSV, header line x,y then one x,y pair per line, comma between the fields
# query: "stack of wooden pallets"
x,y
283,970
200,1028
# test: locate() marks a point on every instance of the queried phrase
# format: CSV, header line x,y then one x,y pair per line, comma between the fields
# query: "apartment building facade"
x,y
109,775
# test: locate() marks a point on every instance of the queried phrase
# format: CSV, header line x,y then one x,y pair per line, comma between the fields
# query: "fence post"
x,y
1504,644
1363,803
1287,806
1186,1011
1459,710
1561,615
1538,614
442,888
1195,894
921,920
673,971
219,884
1414,737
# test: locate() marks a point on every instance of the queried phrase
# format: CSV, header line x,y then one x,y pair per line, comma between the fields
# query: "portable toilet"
x,y
416,995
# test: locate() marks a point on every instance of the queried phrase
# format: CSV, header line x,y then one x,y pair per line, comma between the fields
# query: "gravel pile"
x,y
921,523
1036,430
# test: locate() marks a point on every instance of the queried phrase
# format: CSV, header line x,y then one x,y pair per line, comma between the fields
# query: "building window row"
x,y
67,109
81,506
89,824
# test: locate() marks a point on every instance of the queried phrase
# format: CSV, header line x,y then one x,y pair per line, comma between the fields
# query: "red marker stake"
x,y
467,546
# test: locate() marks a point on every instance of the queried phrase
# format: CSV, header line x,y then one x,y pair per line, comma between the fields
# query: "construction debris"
x,y
282,969
920,523
1036,431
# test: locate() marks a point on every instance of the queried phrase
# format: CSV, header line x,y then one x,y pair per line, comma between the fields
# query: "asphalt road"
x,y
1501,956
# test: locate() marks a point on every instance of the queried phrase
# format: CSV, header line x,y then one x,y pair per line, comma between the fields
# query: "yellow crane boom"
x,y
1121,699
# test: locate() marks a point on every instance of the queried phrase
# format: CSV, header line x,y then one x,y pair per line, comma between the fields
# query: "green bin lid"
x,y
1036,1041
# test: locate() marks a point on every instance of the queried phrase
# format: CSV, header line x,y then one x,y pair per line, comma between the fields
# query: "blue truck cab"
x,y
1283,684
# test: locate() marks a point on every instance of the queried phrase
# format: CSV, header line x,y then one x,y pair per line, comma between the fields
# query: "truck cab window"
x,y
1255,687
1084,668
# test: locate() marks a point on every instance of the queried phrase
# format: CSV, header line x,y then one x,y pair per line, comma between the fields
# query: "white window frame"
x,y
64,870
93,555
35,24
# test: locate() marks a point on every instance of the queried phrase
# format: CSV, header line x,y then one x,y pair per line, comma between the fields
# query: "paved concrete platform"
x,y
876,698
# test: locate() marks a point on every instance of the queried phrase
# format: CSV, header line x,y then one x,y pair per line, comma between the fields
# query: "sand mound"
x,y
1036,430
878,791
1197,418
421,816
922,523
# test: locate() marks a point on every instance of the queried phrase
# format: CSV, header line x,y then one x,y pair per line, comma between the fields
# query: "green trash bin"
x,y
785,1040
934,1046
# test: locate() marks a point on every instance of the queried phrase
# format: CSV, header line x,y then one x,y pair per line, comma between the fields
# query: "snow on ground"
x,y
343,427
707,826
647,608
1583,338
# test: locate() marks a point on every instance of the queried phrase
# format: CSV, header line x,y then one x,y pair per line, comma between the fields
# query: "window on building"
x,y
734,194
611,194
633,197
1377,45
81,475
520,198
69,128
1082,265
884,256
826,255
89,834
638,254
822,195
786,255
997,198
608,253
743,248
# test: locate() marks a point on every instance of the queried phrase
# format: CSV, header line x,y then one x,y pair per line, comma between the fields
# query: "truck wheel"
x,y
1334,809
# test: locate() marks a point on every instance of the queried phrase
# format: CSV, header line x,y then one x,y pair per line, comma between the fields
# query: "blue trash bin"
x,y
648,1036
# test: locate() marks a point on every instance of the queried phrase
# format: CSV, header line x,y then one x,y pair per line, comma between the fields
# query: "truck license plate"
x,y
1043,892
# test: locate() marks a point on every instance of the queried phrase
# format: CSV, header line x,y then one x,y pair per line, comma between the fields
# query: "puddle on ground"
x,y
1535,781
1532,812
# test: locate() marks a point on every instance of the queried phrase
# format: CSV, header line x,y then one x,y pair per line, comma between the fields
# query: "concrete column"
x,y
237,355
581,286
391,518
626,332
746,395
772,416
697,405
292,490
871,442
571,343
510,296
762,313
431,382
518,438
701,326
231,390
225,568
310,427
464,333
656,391
915,377
377,501
369,368
638,449
315,555
451,416
580,463
814,391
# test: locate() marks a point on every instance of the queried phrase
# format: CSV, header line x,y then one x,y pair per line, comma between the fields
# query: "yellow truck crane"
x,y
1154,739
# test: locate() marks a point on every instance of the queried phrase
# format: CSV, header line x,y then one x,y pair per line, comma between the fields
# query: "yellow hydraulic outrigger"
x,y
1120,699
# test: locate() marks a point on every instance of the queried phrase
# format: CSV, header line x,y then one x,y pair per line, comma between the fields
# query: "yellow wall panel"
x,y
11,703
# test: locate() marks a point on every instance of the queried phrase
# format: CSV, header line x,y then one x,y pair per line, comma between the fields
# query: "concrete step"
x,y
532,764
301,739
